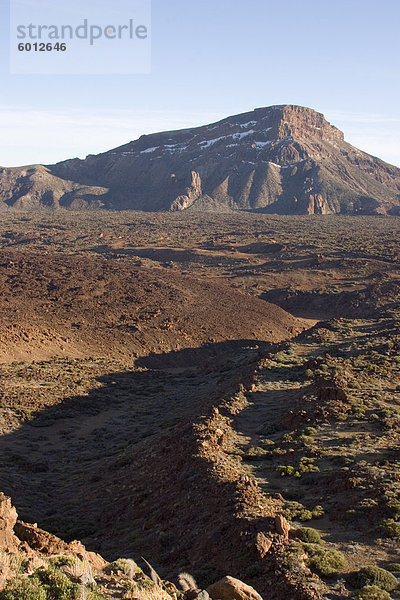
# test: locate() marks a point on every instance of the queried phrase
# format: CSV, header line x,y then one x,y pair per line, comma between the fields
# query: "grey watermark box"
x,y
80,37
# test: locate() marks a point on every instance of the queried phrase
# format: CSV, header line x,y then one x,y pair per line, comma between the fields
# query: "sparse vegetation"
x,y
57,585
391,528
371,592
317,425
305,465
308,534
23,588
325,561
295,510
373,576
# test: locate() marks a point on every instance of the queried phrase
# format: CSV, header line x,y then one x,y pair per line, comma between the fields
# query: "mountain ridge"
x,y
284,159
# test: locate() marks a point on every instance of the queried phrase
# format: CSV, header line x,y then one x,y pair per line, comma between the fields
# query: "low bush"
x,y
372,576
308,534
23,589
310,431
305,440
317,512
92,594
371,592
305,465
294,510
56,585
61,561
324,561
394,507
256,453
390,528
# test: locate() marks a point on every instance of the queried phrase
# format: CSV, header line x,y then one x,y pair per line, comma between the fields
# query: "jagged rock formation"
x,y
8,518
282,159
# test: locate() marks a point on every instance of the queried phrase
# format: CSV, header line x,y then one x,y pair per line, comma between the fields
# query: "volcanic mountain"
x,y
282,159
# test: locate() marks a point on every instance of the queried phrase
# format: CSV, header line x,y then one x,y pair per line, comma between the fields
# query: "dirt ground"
x,y
159,373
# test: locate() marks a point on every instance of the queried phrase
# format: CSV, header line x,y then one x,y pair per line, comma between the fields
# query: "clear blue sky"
x,y
213,58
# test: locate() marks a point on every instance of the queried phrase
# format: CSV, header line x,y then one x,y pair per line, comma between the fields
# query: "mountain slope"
x,y
282,159
74,306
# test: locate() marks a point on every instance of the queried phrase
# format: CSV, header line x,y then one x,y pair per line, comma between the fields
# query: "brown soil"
x,y
77,306
142,372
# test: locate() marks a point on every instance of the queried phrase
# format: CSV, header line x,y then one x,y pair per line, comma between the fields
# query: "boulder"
x,y
229,588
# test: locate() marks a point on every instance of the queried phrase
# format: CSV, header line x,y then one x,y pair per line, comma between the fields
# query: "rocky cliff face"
x,y
297,121
282,159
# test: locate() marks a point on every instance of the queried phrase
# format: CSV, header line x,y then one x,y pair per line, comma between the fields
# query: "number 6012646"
x,y
42,47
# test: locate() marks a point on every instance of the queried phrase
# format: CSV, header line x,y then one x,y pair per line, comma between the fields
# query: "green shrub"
x,y
324,561
309,535
317,512
57,585
23,589
292,557
277,452
394,506
305,465
287,471
256,453
267,442
310,431
61,561
294,510
373,576
146,584
371,592
390,528
305,440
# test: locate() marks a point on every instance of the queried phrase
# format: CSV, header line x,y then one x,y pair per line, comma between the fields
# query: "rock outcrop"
x,y
282,526
8,518
19,537
39,540
49,544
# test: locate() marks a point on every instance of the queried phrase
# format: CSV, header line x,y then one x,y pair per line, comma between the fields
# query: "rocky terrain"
x,y
217,395
119,310
280,160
